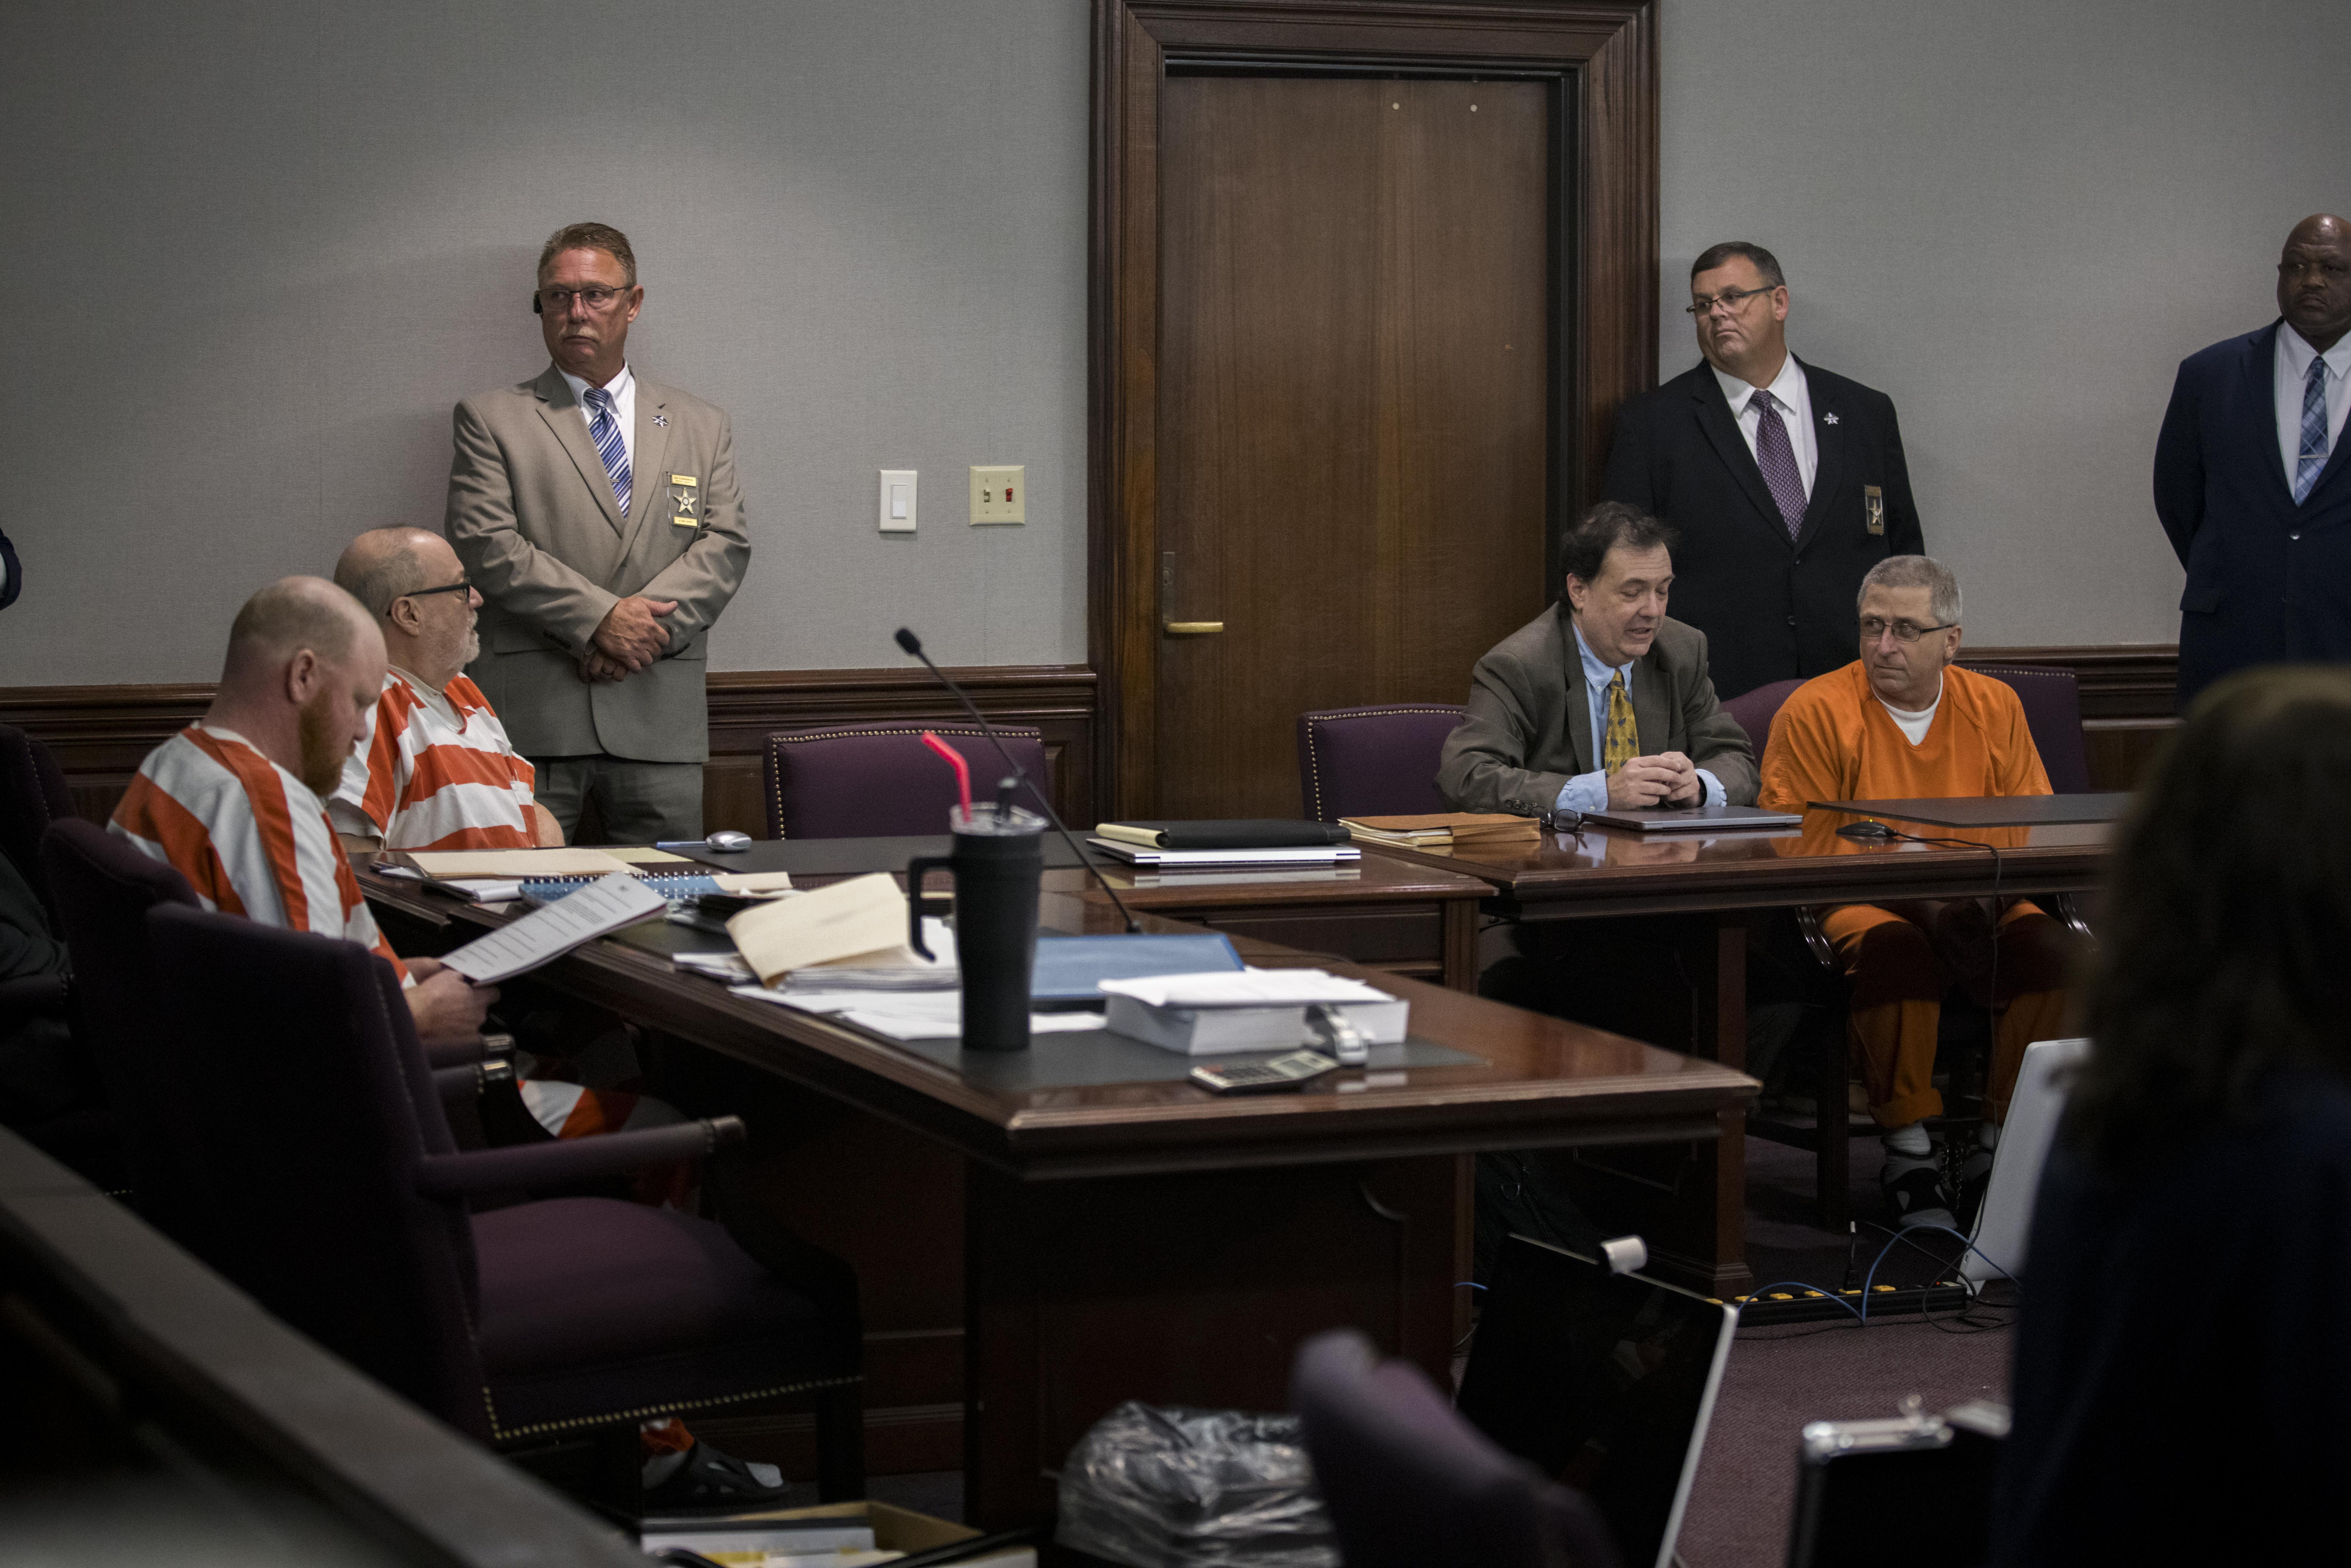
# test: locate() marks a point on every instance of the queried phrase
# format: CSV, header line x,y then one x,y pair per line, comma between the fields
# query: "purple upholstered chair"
x,y
337,1199
1372,761
1754,711
878,780
1408,1482
103,888
2053,711
32,794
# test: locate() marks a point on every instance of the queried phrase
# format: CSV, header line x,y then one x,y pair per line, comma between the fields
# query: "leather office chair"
x,y
1754,711
2053,712
1409,1482
875,780
32,794
103,888
1372,761
334,1194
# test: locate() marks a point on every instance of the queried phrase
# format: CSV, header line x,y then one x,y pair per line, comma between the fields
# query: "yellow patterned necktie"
x,y
1624,741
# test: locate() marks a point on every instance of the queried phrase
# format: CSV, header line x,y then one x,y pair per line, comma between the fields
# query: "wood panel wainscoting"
x,y
100,734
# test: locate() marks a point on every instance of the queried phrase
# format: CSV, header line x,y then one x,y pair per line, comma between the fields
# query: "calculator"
x,y
1299,1067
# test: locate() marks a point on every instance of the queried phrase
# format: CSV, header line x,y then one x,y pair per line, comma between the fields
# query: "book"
x,y
1169,860
1446,830
1232,833
1220,1012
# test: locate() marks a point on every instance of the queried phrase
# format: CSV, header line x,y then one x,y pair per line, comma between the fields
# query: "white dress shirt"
x,y
1796,399
623,387
2294,356
1588,792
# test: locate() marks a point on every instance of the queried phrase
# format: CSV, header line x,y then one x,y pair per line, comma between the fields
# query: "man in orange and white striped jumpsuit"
x,y
232,804
432,770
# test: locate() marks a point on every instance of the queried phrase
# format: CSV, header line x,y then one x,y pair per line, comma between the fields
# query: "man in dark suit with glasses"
x,y
1786,483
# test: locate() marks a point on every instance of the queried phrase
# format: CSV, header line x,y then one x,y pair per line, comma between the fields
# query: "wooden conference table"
x,y
1124,1234
1691,1208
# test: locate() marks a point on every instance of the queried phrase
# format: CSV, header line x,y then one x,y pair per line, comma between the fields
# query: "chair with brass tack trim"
x,y
860,780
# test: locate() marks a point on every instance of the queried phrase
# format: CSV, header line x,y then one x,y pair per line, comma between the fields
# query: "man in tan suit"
x,y
597,512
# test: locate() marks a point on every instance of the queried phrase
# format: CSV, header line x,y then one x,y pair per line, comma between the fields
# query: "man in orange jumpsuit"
x,y
1903,722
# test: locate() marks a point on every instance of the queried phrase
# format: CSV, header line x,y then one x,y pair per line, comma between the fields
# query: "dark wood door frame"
x,y
1603,53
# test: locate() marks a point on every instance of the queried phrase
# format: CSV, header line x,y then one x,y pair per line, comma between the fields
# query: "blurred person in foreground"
x,y
2181,1366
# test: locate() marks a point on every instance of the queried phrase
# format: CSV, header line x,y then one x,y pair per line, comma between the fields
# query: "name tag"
x,y
686,500
1873,510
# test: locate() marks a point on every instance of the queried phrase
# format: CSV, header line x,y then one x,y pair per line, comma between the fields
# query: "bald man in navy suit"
x,y
2249,475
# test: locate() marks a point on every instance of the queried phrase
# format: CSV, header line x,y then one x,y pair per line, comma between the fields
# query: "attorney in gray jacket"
x,y
597,512
1603,700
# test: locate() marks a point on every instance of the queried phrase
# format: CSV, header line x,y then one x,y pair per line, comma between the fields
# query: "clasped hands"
x,y
1668,777
629,637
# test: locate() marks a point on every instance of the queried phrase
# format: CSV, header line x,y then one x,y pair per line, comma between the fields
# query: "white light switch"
x,y
897,500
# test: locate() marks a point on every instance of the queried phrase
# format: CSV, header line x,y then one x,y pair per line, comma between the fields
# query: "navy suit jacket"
x,y
2267,581
1772,609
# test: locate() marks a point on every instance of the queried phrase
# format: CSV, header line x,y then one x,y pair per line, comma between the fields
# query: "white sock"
x,y
1910,1140
1988,1134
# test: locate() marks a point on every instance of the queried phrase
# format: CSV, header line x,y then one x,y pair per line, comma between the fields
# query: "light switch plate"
x,y
999,494
897,511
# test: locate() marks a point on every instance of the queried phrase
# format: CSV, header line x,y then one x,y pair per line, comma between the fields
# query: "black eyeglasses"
x,y
462,585
1872,629
1729,299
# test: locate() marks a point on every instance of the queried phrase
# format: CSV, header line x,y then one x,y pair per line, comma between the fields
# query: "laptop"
x,y
2033,1112
1694,818
1604,1382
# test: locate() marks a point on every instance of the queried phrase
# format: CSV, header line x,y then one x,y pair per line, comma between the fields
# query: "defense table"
x,y
1124,1234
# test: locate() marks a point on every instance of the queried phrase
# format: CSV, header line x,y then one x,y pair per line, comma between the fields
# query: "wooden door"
x,y
1355,408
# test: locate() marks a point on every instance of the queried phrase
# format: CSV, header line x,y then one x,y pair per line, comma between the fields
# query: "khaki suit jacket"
x,y
1529,729
531,516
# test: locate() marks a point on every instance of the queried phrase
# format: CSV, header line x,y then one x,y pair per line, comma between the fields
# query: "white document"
x,y
912,1015
548,933
1247,988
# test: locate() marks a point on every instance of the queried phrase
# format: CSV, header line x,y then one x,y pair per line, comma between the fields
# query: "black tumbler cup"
x,y
998,861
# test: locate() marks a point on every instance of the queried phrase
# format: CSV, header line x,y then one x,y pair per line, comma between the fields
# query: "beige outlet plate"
x,y
999,494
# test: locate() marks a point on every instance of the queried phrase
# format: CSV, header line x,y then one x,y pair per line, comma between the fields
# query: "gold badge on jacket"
x,y
1873,510
686,501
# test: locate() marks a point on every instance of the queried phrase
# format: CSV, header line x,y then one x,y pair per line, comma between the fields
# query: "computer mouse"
x,y
1878,830
727,840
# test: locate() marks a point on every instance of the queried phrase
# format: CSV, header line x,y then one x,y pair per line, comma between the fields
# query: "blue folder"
x,y
1068,968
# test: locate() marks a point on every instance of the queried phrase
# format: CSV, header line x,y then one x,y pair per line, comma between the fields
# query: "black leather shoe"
x,y
710,1478
1974,1178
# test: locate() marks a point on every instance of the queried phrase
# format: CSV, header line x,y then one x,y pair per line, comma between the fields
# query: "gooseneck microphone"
x,y
912,644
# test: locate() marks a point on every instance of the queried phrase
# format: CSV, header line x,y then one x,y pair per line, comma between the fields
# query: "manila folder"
x,y
863,915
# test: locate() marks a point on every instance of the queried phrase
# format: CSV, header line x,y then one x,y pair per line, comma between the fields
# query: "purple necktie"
x,y
1776,455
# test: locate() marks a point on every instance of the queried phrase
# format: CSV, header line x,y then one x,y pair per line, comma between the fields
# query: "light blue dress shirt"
x,y
1589,791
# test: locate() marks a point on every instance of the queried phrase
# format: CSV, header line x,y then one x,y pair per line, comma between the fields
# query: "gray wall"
x,y
254,252
2016,217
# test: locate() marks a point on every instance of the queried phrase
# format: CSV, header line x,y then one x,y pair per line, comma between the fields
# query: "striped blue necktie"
x,y
2314,432
604,429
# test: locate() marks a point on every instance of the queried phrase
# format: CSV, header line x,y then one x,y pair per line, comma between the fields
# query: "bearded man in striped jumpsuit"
x,y
234,804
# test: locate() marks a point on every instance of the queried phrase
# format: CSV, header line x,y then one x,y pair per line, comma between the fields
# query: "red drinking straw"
x,y
955,761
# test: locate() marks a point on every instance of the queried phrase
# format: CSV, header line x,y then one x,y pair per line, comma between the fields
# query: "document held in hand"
x,y
617,900
866,914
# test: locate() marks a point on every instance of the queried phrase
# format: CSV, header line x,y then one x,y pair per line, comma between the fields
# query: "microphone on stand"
x,y
914,644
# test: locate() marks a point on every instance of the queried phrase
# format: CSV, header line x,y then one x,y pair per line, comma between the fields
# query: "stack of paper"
x,y
858,924
548,933
1254,1010
910,1015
